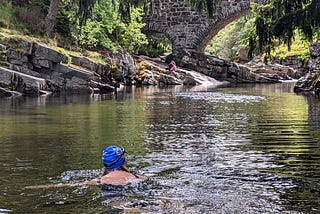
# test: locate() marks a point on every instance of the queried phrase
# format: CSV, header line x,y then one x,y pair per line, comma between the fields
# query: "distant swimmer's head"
x,y
113,157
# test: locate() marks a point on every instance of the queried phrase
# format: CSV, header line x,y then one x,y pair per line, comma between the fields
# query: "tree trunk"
x,y
52,17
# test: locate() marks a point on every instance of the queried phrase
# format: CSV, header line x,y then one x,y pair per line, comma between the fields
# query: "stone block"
x,y
21,82
41,52
17,57
69,72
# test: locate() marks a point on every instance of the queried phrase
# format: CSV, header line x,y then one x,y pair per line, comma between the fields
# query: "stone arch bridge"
x,y
188,29
190,32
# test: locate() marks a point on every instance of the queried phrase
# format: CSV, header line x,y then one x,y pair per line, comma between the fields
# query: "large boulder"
x,y
220,69
127,66
21,82
153,71
311,81
150,73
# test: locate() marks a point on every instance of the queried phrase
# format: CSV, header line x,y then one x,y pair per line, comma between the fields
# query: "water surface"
x,y
244,149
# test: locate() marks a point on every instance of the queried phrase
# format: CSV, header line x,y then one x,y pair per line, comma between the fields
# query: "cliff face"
x,y
311,82
32,68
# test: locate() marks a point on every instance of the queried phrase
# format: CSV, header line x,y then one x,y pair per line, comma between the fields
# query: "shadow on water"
x,y
244,149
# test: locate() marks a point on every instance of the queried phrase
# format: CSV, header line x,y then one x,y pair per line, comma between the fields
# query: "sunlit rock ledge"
x,y
33,69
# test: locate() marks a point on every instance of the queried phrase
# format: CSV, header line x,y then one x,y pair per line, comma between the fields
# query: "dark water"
x,y
249,149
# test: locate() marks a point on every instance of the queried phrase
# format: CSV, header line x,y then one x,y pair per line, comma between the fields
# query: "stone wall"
x,y
186,28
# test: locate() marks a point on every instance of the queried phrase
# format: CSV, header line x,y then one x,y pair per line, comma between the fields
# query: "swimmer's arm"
x,y
140,176
47,186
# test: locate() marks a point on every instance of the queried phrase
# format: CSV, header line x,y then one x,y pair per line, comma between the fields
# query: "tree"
x,y
278,20
52,17
84,10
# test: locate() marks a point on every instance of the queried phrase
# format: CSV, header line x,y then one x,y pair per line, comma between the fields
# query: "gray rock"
x,y
17,57
41,52
311,81
21,82
221,70
127,66
315,49
3,47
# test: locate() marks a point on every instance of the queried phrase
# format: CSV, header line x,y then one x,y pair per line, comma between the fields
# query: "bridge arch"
x,y
188,29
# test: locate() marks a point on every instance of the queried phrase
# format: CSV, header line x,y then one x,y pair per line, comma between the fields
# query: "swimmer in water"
x,y
115,171
115,168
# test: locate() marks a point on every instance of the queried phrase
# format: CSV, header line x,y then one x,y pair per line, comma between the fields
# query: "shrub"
x,y
33,18
6,15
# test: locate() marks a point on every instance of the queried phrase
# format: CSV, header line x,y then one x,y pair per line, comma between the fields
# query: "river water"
x,y
244,149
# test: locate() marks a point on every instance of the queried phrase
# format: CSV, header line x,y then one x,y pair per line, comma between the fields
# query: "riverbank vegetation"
x,y
278,23
100,27
237,35
279,29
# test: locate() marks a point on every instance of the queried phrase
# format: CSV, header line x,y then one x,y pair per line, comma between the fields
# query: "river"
x,y
244,149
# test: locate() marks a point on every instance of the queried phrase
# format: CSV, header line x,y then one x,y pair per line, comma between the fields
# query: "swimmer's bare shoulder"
x,y
115,171
109,179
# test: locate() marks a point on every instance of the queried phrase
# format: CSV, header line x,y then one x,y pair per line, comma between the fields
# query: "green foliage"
x,y
106,29
68,58
7,15
94,34
102,28
3,55
125,7
227,42
157,45
27,18
299,48
276,22
239,33
65,21
132,38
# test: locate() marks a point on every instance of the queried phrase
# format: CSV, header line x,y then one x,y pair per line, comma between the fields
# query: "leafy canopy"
x,y
277,22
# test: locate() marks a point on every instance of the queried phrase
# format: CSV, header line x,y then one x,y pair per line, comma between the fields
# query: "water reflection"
x,y
244,149
231,145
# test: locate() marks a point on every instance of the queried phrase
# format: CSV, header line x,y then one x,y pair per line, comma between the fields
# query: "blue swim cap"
x,y
113,157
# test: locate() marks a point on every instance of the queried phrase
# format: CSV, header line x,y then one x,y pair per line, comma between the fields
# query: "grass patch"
x,y
300,48
6,15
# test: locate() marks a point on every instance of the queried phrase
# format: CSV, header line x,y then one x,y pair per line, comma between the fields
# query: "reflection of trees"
x,y
288,126
303,197
42,138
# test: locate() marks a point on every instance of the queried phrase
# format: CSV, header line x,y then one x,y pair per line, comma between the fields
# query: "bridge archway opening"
x,y
158,44
226,43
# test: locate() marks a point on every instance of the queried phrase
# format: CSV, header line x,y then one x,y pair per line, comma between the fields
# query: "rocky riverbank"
x,y
32,68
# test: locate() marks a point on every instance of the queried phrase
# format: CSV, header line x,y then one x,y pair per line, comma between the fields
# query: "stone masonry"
x,y
188,29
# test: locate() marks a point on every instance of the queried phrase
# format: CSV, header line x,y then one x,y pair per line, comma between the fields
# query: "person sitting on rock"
x,y
172,66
